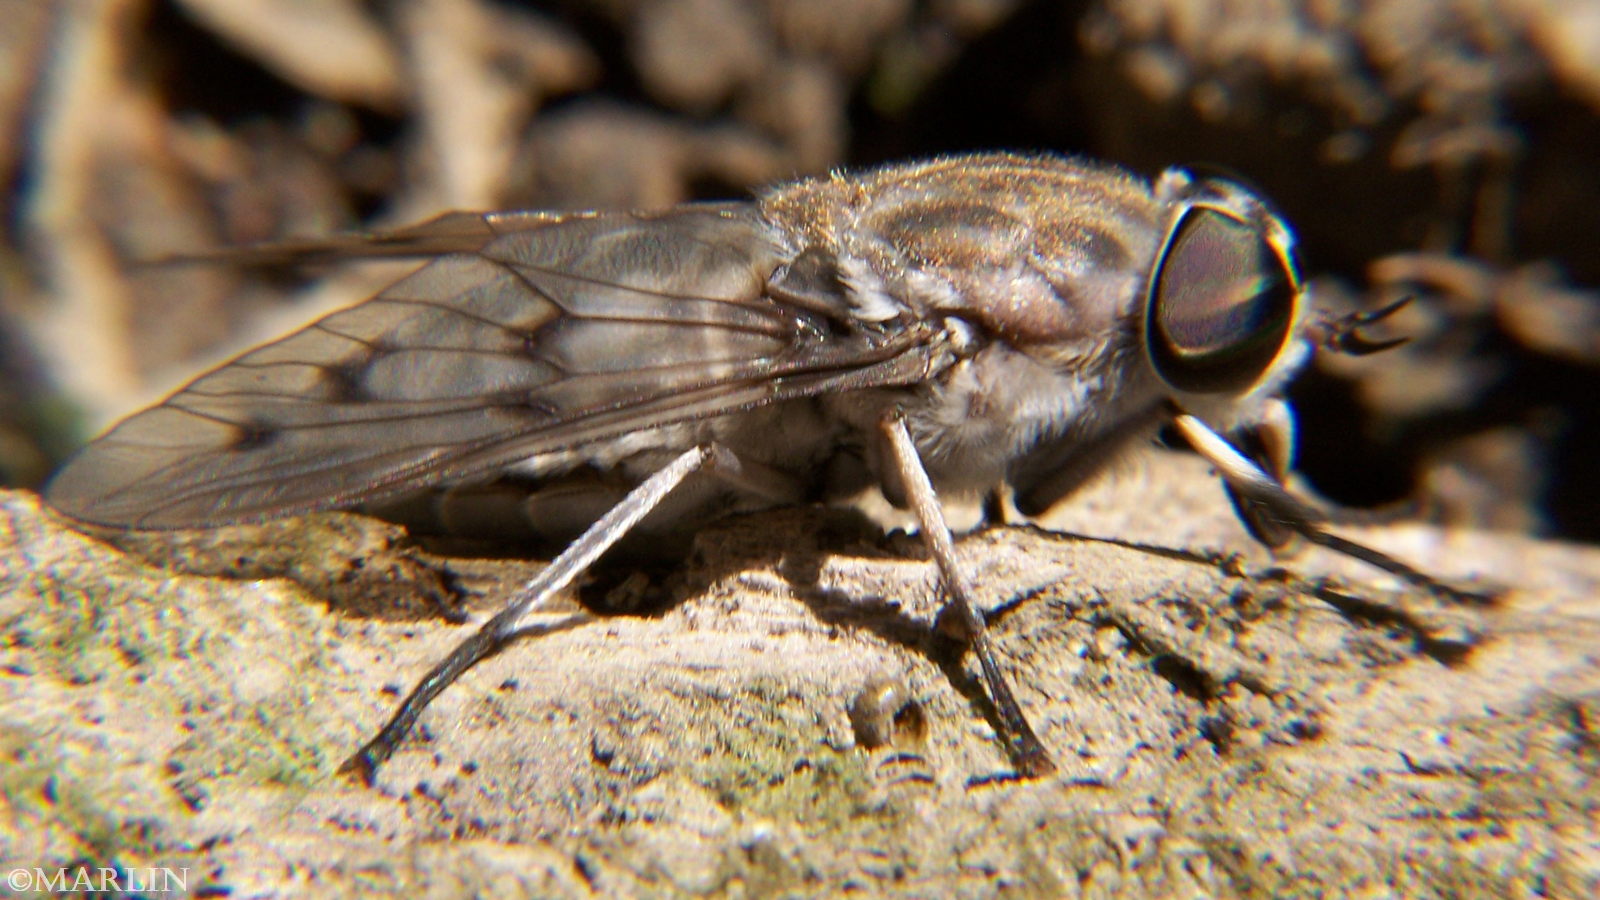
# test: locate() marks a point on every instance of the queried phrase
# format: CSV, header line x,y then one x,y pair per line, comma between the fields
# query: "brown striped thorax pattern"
x,y
1028,315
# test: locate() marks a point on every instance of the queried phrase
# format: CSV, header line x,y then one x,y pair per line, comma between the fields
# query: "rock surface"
x,y
1224,725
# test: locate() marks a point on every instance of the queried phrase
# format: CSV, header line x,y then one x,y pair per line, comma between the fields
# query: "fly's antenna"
x,y
1343,334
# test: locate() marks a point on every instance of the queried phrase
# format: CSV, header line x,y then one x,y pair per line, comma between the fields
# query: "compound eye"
x,y
1221,304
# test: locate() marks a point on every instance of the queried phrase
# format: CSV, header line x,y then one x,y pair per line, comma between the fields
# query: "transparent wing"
x,y
540,333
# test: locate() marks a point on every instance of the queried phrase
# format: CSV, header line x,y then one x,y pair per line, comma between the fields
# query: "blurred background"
x,y
1447,149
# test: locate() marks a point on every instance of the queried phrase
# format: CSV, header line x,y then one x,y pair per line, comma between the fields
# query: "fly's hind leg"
x,y
488,639
1030,755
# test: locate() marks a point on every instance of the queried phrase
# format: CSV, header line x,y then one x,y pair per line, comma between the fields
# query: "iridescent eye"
x,y
1221,303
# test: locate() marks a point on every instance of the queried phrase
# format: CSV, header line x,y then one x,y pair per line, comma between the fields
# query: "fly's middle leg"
x,y
1029,754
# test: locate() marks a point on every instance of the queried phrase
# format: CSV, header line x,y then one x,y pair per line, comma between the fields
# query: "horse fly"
x,y
977,324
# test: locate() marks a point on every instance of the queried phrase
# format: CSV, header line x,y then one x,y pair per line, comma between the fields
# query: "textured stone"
x,y
1220,729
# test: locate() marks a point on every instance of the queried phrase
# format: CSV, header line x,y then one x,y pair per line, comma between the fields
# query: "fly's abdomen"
x,y
790,452
514,511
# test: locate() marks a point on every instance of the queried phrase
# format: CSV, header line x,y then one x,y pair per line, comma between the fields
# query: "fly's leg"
x,y
994,508
1270,444
599,538
1030,755
1267,499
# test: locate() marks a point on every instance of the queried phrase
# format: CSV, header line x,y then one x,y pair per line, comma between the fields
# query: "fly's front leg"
x,y
1031,757
1267,499
1269,442
599,538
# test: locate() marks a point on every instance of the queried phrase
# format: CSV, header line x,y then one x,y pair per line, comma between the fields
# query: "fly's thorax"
x,y
1036,251
1036,270
993,407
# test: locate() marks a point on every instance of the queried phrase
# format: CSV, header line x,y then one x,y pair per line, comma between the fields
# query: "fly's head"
x,y
1224,304
1222,324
